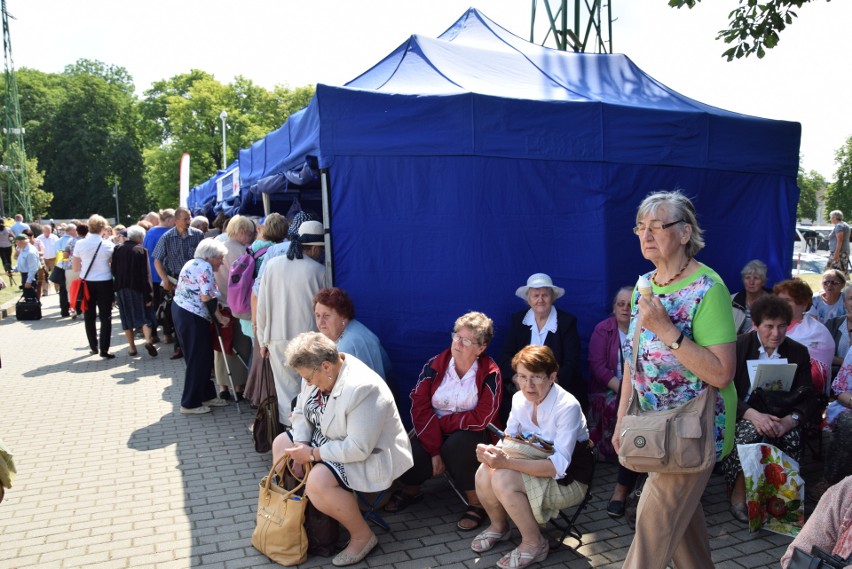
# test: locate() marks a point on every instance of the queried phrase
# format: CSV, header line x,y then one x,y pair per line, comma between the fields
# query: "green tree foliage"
x,y
182,116
840,192
810,186
753,27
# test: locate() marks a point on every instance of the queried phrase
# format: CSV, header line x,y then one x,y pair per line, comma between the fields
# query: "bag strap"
x,y
283,459
95,256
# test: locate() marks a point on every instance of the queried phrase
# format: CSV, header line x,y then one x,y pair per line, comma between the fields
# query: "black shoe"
x,y
615,509
107,355
240,397
226,395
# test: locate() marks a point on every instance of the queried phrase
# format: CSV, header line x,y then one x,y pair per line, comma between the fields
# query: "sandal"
x,y
488,539
517,559
400,500
474,514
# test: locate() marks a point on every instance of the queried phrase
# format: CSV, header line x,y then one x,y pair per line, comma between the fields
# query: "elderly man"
x,y
173,250
48,241
285,306
65,247
27,265
165,220
201,223
19,225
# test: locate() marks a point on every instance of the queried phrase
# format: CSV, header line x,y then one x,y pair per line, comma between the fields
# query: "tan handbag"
x,y
676,441
280,531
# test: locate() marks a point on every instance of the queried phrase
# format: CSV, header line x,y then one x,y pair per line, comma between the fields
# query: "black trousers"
x,y
64,305
198,354
101,296
6,257
29,293
459,454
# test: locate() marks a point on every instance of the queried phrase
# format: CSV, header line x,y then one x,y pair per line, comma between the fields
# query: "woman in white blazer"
x,y
346,422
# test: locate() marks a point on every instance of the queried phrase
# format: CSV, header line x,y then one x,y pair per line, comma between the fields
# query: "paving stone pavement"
x,y
110,475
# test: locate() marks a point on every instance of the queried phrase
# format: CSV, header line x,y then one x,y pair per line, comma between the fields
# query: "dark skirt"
x,y
132,310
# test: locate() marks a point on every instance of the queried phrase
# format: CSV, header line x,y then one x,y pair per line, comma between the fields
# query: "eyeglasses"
x,y
310,377
466,342
830,282
534,379
655,226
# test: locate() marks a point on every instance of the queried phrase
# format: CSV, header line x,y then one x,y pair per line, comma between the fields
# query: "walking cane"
x,y
211,308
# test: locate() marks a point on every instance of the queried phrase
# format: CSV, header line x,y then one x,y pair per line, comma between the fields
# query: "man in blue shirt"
x,y
19,225
27,265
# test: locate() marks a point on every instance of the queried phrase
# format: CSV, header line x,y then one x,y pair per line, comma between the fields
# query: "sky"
x,y
279,42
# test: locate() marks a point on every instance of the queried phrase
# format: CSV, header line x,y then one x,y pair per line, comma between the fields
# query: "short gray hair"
x,y
836,214
309,350
754,267
210,249
681,209
478,323
136,233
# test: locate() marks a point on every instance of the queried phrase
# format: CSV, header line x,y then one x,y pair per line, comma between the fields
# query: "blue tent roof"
x,y
460,165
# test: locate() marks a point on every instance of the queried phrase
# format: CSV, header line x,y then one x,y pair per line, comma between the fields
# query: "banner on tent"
x,y
228,185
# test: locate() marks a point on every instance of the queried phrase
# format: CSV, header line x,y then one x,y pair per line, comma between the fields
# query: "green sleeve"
x,y
714,320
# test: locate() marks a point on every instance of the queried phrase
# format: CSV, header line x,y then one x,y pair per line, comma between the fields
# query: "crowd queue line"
x,y
172,271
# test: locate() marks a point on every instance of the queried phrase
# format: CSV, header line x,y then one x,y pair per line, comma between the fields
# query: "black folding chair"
x,y
567,526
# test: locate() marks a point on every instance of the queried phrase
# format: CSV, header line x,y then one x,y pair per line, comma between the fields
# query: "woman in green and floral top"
x,y
686,343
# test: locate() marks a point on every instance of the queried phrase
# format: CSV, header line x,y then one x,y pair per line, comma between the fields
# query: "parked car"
x,y
808,264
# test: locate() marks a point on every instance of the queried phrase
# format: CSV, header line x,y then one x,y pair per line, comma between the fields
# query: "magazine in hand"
x,y
773,377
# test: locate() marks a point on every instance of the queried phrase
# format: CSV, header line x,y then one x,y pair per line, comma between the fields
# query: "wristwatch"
x,y
796,417
676,344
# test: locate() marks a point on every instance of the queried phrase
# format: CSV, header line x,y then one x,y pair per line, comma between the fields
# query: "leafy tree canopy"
x,y
810,184
840,193
754,26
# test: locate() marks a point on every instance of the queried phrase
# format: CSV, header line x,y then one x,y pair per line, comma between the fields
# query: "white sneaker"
x,y
217,402
194,410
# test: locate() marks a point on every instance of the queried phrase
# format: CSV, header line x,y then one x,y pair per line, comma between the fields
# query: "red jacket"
x,y
430,430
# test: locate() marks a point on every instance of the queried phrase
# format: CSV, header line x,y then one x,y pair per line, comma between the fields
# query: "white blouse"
x,y
455,394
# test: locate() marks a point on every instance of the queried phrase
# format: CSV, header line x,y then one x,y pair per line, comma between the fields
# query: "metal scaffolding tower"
x,y
592,25
14,158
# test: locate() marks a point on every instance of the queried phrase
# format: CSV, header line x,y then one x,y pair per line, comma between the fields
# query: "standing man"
x,y
160,223
173,250
19,225
63,264
48,241
27,265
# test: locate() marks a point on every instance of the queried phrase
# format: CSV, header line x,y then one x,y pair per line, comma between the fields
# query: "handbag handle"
x,y
283,458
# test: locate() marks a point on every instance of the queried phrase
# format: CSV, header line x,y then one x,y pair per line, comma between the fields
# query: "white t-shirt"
x,y
49,244
84,249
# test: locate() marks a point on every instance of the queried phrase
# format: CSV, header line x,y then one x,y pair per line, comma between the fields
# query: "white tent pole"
x,y
326,221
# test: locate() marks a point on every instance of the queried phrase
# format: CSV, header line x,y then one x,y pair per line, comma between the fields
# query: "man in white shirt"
x,y
48,241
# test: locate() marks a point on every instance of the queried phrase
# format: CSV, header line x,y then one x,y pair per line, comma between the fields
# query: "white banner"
x,y
184,179
228,185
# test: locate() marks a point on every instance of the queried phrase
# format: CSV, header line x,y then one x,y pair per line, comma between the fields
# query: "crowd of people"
x,y
287,332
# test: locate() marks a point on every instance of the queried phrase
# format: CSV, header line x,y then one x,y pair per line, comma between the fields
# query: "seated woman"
x,y
754,281
531,491
771,316
829,527
335,315
347,423
606,366
808,331
829,302
839,420
457,395
839,328
542,324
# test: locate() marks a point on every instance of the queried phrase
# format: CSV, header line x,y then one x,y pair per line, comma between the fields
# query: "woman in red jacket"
x,y
457,395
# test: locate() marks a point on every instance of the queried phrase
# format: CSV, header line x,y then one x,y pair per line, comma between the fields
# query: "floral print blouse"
x,y
196,278
700,307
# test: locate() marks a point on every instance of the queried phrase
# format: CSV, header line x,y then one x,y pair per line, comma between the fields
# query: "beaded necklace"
x,y
671,280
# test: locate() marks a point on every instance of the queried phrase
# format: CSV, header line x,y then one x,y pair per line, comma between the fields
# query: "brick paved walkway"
x,y
111,476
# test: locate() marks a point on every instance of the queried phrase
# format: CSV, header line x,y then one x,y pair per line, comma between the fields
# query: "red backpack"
x,y
241,277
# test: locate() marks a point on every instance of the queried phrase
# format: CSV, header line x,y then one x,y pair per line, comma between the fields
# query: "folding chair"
x,y
370,504
570,523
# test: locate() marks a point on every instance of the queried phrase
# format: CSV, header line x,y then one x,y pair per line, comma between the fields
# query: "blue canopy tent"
x,y
458,166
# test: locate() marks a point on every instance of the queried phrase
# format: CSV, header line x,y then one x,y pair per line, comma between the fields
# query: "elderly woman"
x,y
241,233
335,315
685,342
838,243
196,293
346,422
767,341
808,331
606,367
754,283
829,302
839,328
544,325
531,491
92,257
457,395
132,274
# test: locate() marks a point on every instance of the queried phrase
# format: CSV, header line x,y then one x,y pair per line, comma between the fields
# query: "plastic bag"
x,y
774,489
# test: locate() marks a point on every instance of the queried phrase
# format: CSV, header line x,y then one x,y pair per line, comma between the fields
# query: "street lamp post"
x,y
224,115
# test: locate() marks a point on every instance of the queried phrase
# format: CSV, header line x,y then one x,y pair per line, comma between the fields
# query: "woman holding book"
x,y
768,341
